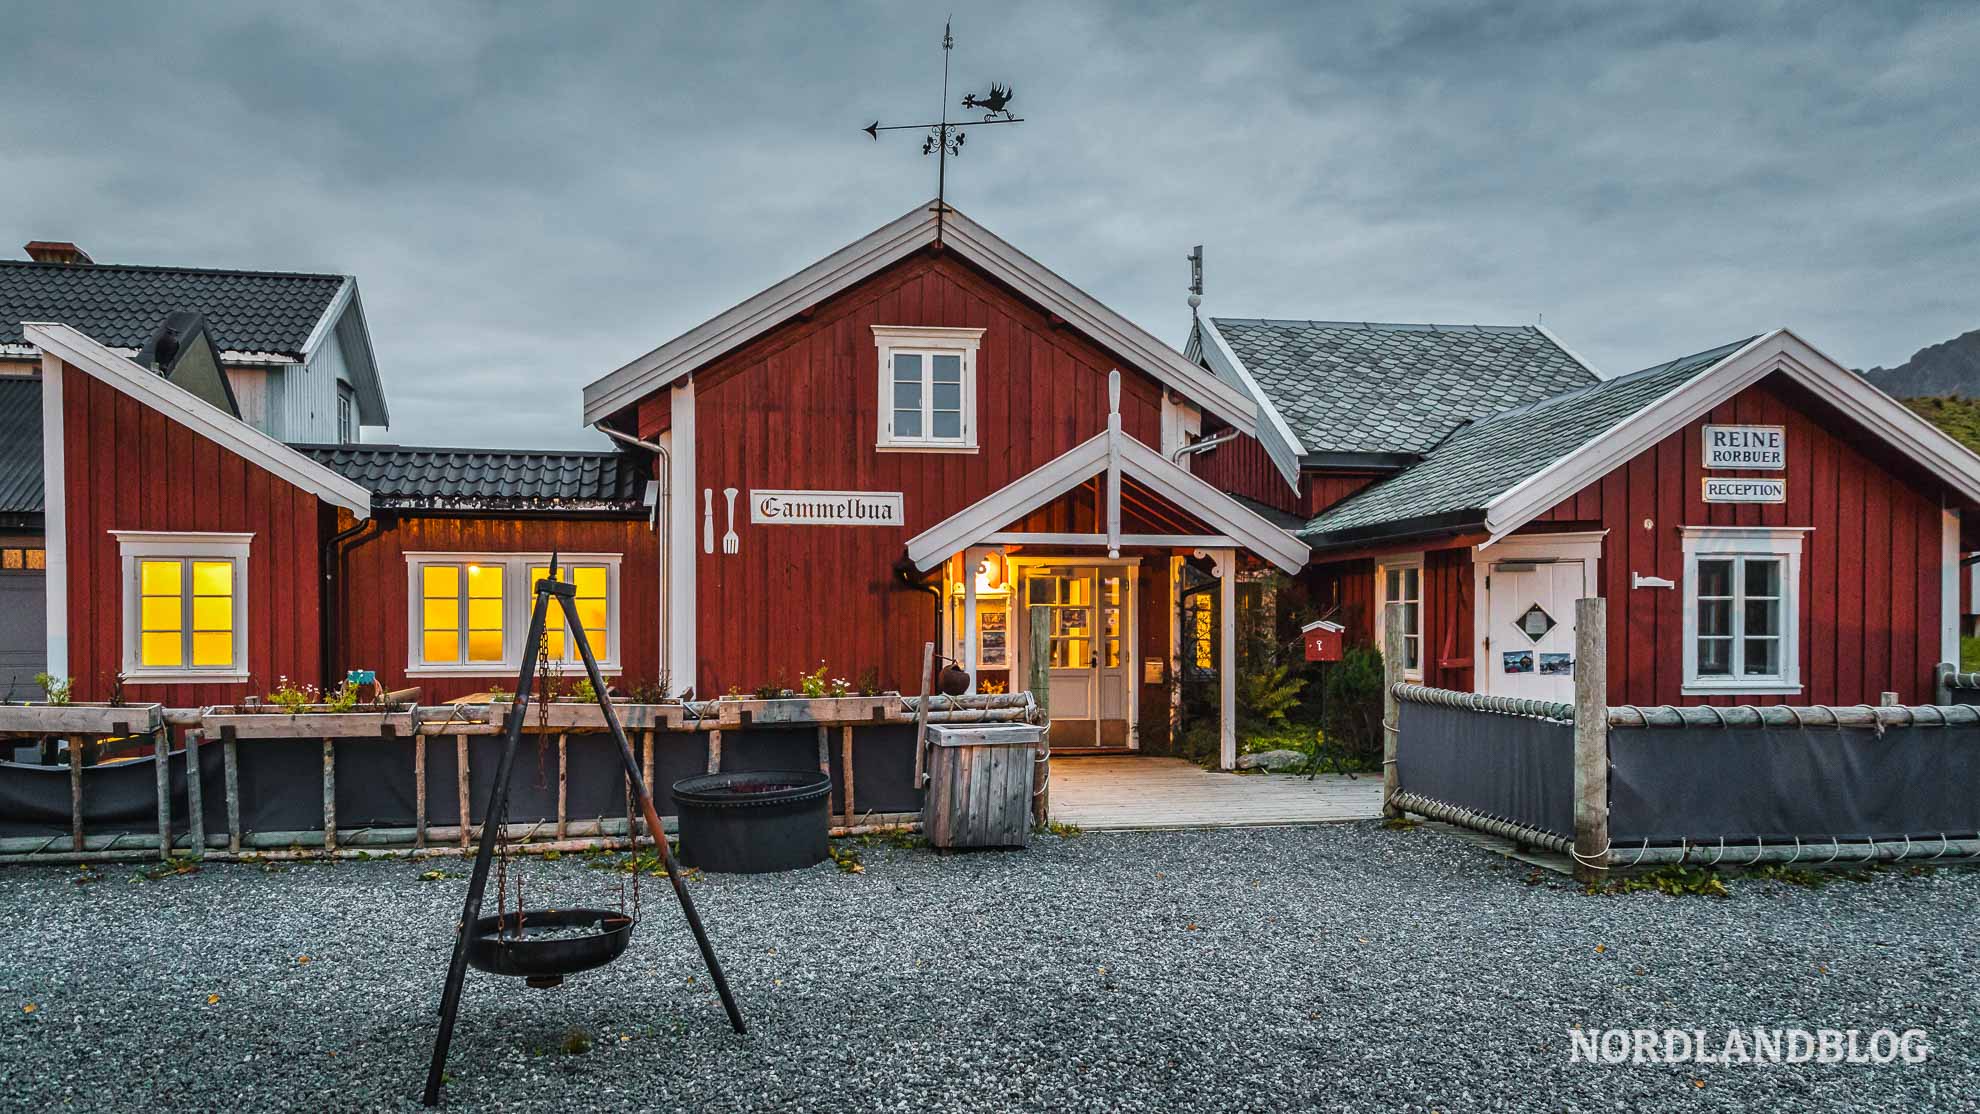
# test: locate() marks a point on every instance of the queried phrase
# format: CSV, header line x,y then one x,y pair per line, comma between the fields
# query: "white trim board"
x,y
236,436
1286,456
889,244
54,517
1779,351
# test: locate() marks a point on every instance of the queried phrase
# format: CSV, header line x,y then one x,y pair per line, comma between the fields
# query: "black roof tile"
x,y
20,445
406,477
246,311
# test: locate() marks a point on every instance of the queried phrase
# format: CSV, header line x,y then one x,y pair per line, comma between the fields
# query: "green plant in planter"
x,y
342,699
293,698
583,693
813,684
869,682
57,688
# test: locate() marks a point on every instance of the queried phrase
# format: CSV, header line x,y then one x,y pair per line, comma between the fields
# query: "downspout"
x,y
1202,446
329,609
664,462
905,570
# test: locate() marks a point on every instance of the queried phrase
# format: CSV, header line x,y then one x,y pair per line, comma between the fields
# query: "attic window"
x,y
927,399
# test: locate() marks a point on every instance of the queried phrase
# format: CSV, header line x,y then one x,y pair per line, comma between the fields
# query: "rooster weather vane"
x,y
945,136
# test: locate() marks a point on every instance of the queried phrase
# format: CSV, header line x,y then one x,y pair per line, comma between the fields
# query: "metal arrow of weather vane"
x,y
945,136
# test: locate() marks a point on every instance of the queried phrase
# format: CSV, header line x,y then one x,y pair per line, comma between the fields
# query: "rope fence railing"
x,y
1486,702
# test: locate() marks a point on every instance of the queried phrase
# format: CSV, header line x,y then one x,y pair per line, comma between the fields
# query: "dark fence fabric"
x,y
118,797
1515,767
1815,784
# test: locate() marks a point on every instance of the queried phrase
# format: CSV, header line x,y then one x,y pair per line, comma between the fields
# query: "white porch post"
x,y
971,558
1223,562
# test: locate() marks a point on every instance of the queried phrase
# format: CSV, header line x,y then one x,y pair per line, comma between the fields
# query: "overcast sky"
x,y
530,198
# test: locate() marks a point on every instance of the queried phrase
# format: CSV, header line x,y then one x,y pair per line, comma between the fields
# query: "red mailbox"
x,y
1323,640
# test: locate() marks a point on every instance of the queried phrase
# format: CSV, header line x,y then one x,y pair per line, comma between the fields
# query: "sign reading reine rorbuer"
x,y
826,508
1746,446
1725,489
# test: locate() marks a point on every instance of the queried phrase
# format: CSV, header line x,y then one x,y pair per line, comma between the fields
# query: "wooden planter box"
x,y
80,719
273,723
980,779
802,710
590,717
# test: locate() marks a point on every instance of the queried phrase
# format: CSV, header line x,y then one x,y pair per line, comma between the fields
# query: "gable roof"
x,y
404,477
1368,387
1489,456
20,445
253,316
917,229
1499,472
70,345
1114,453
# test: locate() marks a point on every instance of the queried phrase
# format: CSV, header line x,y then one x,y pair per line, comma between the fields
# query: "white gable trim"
x,y
1286,450
181,405
1779,351
883,247
1116,454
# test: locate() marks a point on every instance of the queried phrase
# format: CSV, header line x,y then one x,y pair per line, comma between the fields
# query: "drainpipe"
x,y
1202,446
329,607
906,572
664,463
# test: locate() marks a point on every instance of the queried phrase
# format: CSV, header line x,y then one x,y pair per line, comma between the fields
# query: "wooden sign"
x,y
826,508
1725,489
1746,446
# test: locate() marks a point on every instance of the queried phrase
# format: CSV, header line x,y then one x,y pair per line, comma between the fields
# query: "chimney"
x,y
56,251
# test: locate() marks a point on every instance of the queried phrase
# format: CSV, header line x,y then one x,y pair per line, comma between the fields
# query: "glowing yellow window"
x,y
440,613
594,594
185,613
460,613
484,612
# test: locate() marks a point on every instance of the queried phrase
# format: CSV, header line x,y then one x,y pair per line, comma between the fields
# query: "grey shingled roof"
x,y
1492,455
1347,386
246,311
408,478
20,445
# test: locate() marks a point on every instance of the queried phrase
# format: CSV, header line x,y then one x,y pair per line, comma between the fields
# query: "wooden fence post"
x,y
1039,658
1392,675
1942,683
1591,739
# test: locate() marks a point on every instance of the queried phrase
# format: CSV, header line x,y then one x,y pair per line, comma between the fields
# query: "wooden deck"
x,y
1098,793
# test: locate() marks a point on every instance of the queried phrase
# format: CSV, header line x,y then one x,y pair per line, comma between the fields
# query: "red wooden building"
x,y
1766,526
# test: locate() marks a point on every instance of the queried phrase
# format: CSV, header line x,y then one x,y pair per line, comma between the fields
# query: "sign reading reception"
x,y
825,508
1720,489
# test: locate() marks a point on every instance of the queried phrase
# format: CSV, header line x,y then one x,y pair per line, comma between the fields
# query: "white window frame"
x,y
202,546
926,341
1784,543
518,598
1382,568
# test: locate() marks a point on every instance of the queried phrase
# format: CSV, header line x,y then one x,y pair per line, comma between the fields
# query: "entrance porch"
x,y
1145,792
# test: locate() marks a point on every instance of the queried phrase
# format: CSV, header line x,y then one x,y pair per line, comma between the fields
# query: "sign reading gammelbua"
x,y
826,508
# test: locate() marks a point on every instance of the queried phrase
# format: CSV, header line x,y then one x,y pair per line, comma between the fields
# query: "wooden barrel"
x,y
979,784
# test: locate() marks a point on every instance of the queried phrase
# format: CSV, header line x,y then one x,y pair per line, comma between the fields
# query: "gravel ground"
x,y
1345,967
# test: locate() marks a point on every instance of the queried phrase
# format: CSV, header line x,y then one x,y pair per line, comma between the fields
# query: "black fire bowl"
x,y
495,947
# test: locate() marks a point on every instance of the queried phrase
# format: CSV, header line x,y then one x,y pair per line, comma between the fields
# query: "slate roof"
x,y
246,311
1490,456
20,445
404,477
1349,386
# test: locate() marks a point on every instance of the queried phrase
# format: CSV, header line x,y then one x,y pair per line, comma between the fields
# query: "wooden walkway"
x,y
1145,792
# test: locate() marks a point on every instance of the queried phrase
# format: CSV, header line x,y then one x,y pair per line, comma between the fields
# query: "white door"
x,y
1089,610
1529,634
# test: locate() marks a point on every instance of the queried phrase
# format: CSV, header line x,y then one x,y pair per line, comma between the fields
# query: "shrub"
x,y
1354,705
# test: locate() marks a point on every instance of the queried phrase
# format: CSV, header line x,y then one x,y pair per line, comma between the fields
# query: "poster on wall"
x,y
1556,665
1519,661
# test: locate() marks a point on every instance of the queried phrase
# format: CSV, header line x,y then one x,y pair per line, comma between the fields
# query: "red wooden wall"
x,y
1241,467
129,467
797,409
1870,587
1448,611
376,615
1320,490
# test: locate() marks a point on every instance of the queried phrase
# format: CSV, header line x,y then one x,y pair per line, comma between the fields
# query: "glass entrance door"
x,y
1087,607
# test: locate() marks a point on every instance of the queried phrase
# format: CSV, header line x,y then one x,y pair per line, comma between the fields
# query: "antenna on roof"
x,y
1195,279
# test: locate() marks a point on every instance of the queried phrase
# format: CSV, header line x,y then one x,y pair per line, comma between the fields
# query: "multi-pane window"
x,y
23,558
461,613
593,584
927,387
185,605
1402,582
470,613
1739,617
1740,609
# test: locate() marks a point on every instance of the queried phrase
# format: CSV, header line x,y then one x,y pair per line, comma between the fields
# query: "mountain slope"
x,y
1949,368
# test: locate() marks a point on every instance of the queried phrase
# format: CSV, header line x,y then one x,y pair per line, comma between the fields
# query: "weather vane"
x,y
945,136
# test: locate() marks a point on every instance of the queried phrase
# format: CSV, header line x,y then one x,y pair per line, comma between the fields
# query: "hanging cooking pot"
x,y
954,680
